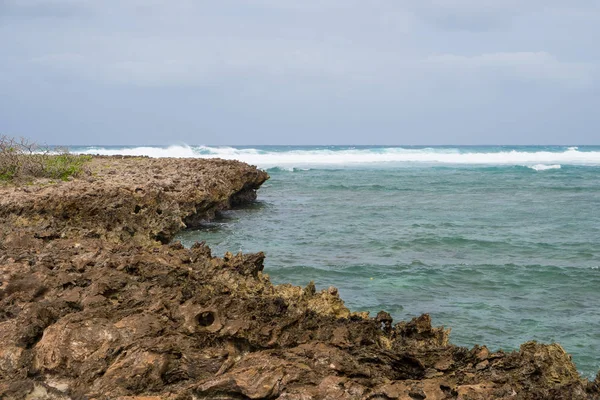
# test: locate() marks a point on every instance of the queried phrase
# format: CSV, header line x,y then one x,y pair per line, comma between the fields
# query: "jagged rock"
x,y
124,198
94,305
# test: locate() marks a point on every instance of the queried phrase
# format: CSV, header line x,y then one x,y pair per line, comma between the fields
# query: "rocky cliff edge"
x,y
96,301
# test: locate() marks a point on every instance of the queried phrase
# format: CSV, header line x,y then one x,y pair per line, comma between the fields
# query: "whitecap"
x,y
377,156
544,167
178,151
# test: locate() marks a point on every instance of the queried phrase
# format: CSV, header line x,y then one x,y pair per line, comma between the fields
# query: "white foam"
x,y
544,167
180,151
391,156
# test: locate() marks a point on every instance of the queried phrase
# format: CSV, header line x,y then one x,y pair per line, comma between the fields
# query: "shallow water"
x,y
500,243
501,255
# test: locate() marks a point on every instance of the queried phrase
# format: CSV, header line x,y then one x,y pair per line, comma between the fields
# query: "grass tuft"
x,y
63,166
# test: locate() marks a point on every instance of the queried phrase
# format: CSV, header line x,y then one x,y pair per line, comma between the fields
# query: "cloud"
x,y
197,62
44,8
524,66
483,15
375,63
213,61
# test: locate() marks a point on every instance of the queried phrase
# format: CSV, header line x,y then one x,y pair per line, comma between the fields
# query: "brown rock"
x,y
482,365
481,391
483,354
444,364
95,303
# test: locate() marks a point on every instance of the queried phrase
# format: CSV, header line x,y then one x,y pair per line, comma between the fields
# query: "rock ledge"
x,y
96,302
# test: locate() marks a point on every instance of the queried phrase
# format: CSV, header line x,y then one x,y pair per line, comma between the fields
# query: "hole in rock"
x,y
162,237
132,270
206,318
137,209
30,342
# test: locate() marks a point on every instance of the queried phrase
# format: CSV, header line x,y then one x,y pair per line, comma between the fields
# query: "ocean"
x,y
500,243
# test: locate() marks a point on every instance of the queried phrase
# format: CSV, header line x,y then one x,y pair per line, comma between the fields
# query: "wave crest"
x,y
176,151
544,167
294,158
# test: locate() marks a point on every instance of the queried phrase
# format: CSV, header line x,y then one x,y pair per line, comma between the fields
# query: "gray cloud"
x,y
329,70
538,67
485,15
44,8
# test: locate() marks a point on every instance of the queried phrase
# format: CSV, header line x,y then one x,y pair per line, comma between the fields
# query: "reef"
x,y
98,302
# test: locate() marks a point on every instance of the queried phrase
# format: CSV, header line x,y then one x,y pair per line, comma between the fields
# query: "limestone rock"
x,y
96,302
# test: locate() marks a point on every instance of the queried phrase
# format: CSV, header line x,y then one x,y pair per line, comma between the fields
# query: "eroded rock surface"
x,y
127,198
94,305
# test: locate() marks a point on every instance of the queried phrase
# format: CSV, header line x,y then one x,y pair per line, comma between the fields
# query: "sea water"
x,y
502,244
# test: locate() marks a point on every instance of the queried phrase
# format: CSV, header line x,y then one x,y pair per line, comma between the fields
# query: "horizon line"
x,y
328,145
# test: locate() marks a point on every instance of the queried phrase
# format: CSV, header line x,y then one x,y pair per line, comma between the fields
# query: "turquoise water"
x,y
500,244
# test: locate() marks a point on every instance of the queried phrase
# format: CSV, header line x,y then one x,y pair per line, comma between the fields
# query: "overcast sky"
x,y
301,72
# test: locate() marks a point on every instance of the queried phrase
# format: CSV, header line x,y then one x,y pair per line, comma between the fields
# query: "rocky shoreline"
x,y
96,301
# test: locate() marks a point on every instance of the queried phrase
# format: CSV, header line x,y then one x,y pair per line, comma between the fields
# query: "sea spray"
x,y
286,157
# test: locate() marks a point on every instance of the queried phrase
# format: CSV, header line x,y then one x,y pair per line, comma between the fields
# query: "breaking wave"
x,y
544,167
179,151
290,158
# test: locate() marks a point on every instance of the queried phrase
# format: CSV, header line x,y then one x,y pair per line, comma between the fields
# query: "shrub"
x,y
62,166
23,159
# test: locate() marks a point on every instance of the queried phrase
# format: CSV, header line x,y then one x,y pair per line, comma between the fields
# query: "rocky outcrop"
x,y
128,198
96,302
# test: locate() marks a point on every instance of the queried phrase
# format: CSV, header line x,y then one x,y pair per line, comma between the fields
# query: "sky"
x,y
260,72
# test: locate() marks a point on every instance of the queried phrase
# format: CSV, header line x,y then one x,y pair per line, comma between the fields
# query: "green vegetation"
x,y
62,166
24,160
